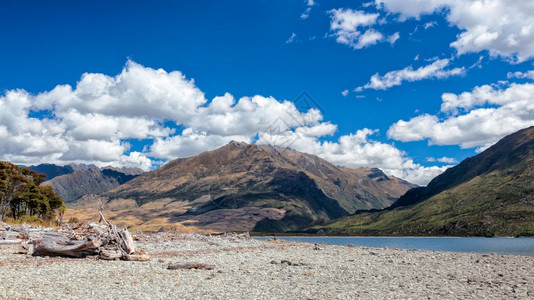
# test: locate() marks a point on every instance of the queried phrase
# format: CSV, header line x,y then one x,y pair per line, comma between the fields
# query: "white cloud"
x,y
95,123
521,75
136,92
90,123
291,39
249,115
190,142
472,119
430,25
357,150
345,93
368,38
393,38
135,160
306,13
435,70
347,23
504,28
348,20
448,160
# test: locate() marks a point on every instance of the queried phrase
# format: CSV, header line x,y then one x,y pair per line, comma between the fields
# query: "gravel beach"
x,y
245,268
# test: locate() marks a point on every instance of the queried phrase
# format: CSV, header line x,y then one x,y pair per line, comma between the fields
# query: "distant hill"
x,y
86,179
252,187
52,170
489,194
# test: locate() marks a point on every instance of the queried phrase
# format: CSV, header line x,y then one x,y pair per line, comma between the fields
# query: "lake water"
x,y
512,246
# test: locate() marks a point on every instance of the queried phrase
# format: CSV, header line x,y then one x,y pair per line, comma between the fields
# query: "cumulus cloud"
x,y
348,26
91,122
190,142
345,93
359,150
436,69
504,28
478,118
97,121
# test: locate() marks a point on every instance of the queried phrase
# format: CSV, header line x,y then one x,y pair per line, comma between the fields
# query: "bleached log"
x,y
53,244
110,254
10,242
100,229
136,257
127,242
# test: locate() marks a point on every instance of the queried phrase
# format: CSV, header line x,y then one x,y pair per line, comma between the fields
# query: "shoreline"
x,y
247,268
480,245
283,234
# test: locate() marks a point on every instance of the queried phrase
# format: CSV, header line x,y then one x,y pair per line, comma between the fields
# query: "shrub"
x,y
73,220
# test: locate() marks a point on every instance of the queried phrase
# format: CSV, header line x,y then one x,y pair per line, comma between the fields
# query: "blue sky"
x,y
408,86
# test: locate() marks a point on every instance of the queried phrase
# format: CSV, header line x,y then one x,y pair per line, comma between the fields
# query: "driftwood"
x,y
105,240
10,242
55,244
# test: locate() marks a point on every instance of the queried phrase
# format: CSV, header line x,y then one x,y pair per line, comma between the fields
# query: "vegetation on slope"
x,y
22,198
491,194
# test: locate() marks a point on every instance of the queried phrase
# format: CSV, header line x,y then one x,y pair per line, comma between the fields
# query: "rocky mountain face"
x,y
253,187
489,194
84,179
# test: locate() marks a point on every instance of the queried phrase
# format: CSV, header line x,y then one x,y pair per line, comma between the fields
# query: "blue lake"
x,y
511,246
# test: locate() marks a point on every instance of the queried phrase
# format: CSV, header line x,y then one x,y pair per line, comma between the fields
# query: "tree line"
x,y
21,195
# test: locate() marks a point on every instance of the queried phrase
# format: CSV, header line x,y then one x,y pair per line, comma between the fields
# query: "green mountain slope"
x,y
490,194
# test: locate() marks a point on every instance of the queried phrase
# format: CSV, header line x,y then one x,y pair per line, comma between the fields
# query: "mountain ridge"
x,y
85,179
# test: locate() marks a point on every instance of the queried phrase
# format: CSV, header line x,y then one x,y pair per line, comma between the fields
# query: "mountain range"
x,y
73,181
243,187
490,194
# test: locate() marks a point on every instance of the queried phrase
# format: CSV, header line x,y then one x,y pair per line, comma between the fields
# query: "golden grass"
x,y
148,217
